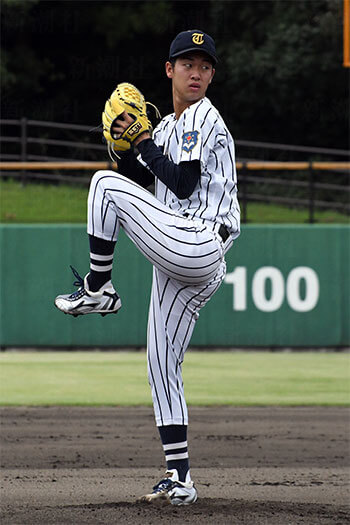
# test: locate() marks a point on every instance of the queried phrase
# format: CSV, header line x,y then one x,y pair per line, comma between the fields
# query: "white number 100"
x,y
238,278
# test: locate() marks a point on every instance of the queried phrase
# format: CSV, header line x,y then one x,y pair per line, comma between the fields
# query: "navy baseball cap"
x,y
193,40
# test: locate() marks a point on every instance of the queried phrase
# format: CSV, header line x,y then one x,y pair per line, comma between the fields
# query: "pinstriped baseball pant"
x,y
188,267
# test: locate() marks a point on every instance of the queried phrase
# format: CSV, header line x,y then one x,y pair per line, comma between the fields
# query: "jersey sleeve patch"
x,y
189,140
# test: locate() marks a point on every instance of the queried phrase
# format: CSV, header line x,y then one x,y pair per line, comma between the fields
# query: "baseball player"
x,y
185,229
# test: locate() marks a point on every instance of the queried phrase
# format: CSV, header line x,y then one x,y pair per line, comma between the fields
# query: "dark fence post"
x,y
311,194
23,147
243,183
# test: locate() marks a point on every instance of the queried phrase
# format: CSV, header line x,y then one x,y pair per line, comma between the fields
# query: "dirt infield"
x,y
251,466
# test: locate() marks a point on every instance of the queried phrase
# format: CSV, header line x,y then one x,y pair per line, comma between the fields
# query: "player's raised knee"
x,y
100,177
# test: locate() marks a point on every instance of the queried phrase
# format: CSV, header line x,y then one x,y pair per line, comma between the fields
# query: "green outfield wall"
x,y
285,286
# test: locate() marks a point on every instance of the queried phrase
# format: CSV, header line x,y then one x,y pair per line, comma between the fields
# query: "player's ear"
x,y
212,75
169,69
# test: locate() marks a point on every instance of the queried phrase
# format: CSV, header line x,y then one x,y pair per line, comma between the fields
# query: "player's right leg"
x,y
173,312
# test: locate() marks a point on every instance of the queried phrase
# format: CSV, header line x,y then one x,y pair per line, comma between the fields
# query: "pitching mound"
x,y
73,465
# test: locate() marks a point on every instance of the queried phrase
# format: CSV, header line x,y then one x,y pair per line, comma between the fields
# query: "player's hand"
x,y
122,123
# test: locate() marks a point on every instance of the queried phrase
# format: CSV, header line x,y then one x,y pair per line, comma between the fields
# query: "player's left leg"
x,y
185,250
174,309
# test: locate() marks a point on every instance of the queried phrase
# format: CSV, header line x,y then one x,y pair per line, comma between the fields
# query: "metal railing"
x,y
36,154
249,150
38,133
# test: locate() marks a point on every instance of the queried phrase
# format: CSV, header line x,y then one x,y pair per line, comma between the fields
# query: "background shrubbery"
x,y
280,77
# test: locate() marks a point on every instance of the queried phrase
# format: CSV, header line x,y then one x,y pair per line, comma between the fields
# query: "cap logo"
x,y
197,38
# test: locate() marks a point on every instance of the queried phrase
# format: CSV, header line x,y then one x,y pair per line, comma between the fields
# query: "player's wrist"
x,y
144,136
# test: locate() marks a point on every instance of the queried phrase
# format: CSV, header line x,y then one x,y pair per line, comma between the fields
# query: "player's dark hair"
x,y
173,60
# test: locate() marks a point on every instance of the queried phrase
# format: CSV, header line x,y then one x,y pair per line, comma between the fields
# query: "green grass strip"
x,y
48,203
211,378
41,203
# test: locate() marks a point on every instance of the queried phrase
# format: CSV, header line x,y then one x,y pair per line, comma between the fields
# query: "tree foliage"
x,y
280,75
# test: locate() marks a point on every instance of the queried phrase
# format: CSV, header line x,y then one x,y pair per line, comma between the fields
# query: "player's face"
x,y
191,76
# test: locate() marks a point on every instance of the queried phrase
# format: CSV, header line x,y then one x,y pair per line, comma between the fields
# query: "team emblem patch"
x,y
189,140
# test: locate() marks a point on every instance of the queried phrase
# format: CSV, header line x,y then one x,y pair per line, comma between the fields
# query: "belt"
x,y
223,231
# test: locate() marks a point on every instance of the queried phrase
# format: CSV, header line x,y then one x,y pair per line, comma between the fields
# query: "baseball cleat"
x,y
171,490
83,301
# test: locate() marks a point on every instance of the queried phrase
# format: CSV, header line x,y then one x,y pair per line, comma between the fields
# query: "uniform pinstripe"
x,y
215,199
179,237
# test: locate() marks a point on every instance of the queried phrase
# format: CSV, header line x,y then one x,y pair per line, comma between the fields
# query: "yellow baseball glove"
x,y
125,97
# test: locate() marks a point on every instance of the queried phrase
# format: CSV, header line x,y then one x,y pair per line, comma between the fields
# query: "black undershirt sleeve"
x,y
130,167
181,178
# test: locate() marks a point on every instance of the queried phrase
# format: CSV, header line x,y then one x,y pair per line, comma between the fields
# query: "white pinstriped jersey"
x,y
201,134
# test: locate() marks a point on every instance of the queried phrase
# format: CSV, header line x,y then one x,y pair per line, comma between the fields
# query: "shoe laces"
x,y
164,485
79,282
